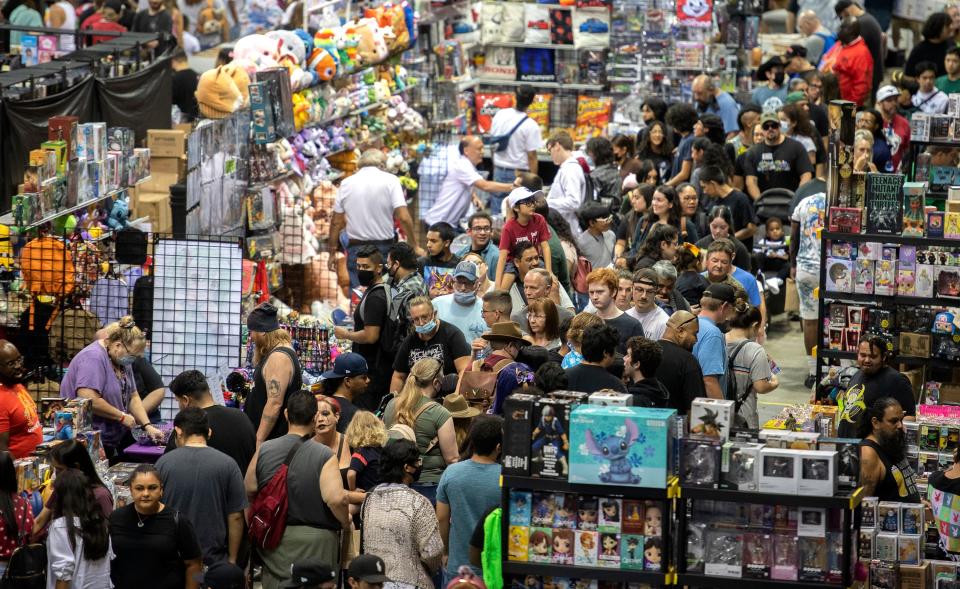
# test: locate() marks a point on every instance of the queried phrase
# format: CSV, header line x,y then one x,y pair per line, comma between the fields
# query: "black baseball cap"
x,y
308,574
369,568
721,292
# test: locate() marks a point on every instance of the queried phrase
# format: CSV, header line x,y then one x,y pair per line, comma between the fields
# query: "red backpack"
x,y
268,513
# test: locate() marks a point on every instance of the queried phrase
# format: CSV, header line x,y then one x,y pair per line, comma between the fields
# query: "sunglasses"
x,y
768,126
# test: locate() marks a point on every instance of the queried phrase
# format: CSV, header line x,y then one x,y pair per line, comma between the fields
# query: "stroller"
x,y
774,202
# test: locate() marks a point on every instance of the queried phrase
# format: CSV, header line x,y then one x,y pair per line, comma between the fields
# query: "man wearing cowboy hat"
x,y
467,489
505,340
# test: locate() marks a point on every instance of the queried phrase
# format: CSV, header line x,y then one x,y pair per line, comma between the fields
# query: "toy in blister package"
x,y
865,543
813,559
784,557
834,557
868,512
518,543
587,512
911,518
696,545
757,557
888,513
724,554
701,460
740,466
586,548
885,547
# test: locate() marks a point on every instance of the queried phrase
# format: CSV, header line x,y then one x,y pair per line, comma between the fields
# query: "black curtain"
x,y
24,127
139,101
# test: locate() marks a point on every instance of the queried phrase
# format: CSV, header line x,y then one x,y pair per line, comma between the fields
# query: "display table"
x,y
144,452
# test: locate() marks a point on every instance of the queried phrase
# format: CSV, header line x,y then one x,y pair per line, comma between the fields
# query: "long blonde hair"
x,y
127,333
271,339
366,431
421,375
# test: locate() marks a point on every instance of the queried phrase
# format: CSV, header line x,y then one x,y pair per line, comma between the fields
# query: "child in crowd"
x,y
690,283
773,254
525,226
106,19
367,435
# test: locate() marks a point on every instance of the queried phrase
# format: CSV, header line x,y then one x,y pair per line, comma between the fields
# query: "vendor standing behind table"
x,y
150,386
103,372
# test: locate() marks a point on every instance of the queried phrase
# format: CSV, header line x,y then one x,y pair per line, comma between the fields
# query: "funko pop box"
x,y
621,445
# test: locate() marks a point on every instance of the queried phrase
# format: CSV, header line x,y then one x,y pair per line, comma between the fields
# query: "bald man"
x,y
817,38
457,188
712,100
20,428
679,370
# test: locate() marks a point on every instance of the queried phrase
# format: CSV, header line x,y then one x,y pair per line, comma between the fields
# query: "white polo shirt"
x,y
454,199
368,198
525,139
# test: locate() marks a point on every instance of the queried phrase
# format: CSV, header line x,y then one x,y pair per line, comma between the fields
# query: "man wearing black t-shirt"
x,y
368,320
716,191
432,338
184,86
778,162
679,370
599,348
231,430
873,381
602,285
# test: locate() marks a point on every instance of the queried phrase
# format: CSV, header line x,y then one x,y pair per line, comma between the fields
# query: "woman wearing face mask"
x,y
399,524
103,372
795,123
721,227
415,407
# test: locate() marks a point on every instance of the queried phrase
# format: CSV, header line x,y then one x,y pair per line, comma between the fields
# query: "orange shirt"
x,y
18,417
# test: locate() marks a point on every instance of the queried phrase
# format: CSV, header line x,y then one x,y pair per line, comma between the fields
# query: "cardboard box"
x,y
818,473
551,443
167,142
914,577
64,128
159,182
156,206
779,471
517,434
169,165
711,418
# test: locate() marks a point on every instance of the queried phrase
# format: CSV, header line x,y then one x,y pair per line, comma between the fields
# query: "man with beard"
x,y
710,99
679,370
884,470
277,373
874,380
639,372
20,429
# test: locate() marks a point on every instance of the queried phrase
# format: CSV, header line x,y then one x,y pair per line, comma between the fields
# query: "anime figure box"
x,y
621,445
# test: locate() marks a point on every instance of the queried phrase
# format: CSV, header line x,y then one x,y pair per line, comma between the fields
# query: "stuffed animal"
x,y
212,20
119,214
241,79
256,52
323,63
289,44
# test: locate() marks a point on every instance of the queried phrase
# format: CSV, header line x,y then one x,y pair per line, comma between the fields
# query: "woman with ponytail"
x,y
751,365
415,411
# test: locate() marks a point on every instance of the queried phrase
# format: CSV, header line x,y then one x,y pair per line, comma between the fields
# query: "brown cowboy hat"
x,y
458,406
507,331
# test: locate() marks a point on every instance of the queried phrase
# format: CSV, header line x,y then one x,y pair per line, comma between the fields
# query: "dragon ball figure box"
x,y
621,445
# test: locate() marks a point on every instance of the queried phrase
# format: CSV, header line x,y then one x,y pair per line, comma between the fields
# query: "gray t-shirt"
x,y
598,249
205,485
306,505
750,365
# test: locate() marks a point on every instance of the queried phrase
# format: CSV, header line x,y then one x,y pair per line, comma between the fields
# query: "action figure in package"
x,y
544,510
633,522
889,516
784,558
868,512
813,559
587,512
696,536
519,547
865,544
631,556
653,519
550,442
609,515
563,541
609,550
566,514
520,508
585,550
911,518
724,555
834,557
756,556
701,462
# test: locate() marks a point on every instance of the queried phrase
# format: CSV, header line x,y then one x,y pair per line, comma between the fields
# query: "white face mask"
x,y
784,126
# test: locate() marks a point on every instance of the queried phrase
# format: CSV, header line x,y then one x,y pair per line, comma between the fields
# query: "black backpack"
x,y
732,392
131,246
589,189
396,327
27,568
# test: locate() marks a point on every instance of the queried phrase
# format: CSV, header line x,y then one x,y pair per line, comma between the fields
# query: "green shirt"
x,y
948,86
426,428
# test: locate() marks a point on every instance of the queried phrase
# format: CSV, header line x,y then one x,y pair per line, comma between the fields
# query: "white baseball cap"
x,y
886,92
521,193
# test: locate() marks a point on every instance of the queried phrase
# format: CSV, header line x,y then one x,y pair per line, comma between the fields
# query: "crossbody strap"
x,y
741,397
293,450
517,126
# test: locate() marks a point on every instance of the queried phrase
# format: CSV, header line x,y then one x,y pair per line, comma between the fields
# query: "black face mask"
x,y
365,277
778,78
416,474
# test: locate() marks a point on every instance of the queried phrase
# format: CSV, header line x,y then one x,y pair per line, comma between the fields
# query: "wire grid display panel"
x,y
196,310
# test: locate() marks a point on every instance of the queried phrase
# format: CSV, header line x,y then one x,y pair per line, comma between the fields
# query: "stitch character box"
x,y
621,445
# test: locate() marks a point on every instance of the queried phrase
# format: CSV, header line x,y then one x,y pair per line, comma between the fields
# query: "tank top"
x,y
306,505
899,481
257,399
67,42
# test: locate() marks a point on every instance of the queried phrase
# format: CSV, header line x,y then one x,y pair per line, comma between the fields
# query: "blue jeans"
x,y
506,175
383,246
428,490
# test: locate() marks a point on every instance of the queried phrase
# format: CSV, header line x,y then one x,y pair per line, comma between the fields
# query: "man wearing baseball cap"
x,y
221,575
896,128
463,308
367,571
310,575
716,307
795,58
778,162
347,381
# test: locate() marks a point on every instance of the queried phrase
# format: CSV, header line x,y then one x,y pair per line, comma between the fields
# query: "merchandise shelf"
x,y
7,219
603,574
562,486
701,580
932,362
851,297
891,239
844,501
554,46
554,85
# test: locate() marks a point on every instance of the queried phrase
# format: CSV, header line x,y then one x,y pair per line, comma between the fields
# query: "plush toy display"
x,y
119,214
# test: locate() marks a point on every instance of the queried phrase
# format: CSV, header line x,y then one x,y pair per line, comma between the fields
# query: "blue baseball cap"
x,y
348,364
466,269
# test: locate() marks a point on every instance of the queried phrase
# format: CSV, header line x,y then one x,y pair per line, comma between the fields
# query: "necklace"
x,y
140,519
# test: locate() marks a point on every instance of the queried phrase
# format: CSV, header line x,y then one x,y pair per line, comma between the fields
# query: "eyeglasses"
x,y
690,320
769,126
482,229
487,311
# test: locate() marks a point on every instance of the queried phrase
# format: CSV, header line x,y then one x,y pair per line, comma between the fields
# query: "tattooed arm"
x,y
277,373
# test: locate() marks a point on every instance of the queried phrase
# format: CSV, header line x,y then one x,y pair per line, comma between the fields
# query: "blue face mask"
x,y
127,360
427,327
465,298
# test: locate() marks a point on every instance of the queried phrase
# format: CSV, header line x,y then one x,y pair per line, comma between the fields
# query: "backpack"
x,y
402,431
732,393
492,552
27,568
479,386
396,326
142,307
589,187
268,512
500,142
580,272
